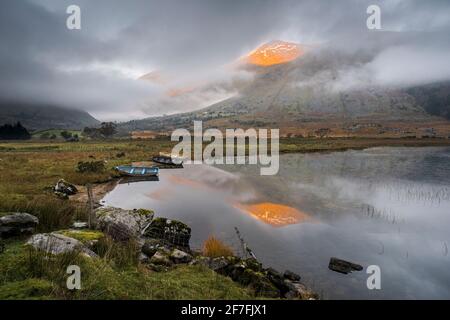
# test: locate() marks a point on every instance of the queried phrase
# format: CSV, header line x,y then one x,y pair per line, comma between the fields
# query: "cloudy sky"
x,y
193,41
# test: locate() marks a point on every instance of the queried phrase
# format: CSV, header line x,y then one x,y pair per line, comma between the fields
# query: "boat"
x,y
167,160
133,171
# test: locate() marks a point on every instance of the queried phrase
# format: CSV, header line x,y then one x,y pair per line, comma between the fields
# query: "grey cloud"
x,y
42,61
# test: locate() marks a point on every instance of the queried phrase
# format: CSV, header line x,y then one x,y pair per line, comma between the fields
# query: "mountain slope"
x,y
38,117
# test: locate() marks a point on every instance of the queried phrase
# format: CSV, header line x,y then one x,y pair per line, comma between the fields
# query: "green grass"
x,y
28,274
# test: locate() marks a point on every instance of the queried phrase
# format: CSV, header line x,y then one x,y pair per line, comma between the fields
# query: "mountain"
x,y
296,87
39,117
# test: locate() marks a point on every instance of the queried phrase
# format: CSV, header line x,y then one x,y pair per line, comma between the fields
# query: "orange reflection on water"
x,y
277,215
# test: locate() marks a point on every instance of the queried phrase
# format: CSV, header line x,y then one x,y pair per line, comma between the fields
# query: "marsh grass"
x,y
53,214
213,248
119,254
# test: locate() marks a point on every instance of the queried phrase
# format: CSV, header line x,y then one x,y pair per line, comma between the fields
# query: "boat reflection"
x,y
127,180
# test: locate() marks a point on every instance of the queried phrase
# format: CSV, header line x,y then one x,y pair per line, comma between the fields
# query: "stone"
x,y
80,225
291,276
121,224
297,290
277,279
143,258
64,187
178,256
152,245
160,258
259,283
343,266
171,231
17,224
55,244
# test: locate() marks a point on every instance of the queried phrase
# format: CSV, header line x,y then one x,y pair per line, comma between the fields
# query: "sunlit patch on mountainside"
x,y
275,52
277,215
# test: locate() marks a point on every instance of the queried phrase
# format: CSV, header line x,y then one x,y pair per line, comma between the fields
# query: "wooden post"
x,y
90,206
245,248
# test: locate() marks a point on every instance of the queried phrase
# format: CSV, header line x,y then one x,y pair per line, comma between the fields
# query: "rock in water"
x,y
17,224
64,187
121,224
171,231
57,244
343,266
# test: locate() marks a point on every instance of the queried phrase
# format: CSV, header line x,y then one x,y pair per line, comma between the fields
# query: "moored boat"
x,y
133,171
167,160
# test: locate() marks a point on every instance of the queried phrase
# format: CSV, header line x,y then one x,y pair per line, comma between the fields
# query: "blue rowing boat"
x,y
133,171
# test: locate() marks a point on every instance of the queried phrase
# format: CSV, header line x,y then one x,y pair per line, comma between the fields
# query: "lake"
x,y
388,207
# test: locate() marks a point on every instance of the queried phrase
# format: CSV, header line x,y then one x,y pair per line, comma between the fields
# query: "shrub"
x,y
214,248
91,166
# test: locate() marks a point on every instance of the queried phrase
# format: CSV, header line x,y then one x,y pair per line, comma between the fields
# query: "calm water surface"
x,y
383,206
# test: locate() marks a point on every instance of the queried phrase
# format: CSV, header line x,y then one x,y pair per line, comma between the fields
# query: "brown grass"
x,y
213,248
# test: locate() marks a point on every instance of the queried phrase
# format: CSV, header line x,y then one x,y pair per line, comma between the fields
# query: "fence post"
x,y
90,206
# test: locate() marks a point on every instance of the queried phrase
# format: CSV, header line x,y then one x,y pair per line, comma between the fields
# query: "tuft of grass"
x,y
213,248
118,254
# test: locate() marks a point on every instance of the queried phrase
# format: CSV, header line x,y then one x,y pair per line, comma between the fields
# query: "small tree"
x,y
108,129
66,135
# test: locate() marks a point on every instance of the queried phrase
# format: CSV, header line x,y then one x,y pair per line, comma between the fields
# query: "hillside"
x,y
35,117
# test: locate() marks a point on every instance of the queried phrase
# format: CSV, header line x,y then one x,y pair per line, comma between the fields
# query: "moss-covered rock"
x,y
17,224
172,231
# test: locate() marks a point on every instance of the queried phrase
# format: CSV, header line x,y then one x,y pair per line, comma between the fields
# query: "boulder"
x,y
291,276
58,244
178,256
17,224
277,279
152,245
173,232
259,283
122,224
218,264
298,290
65,188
